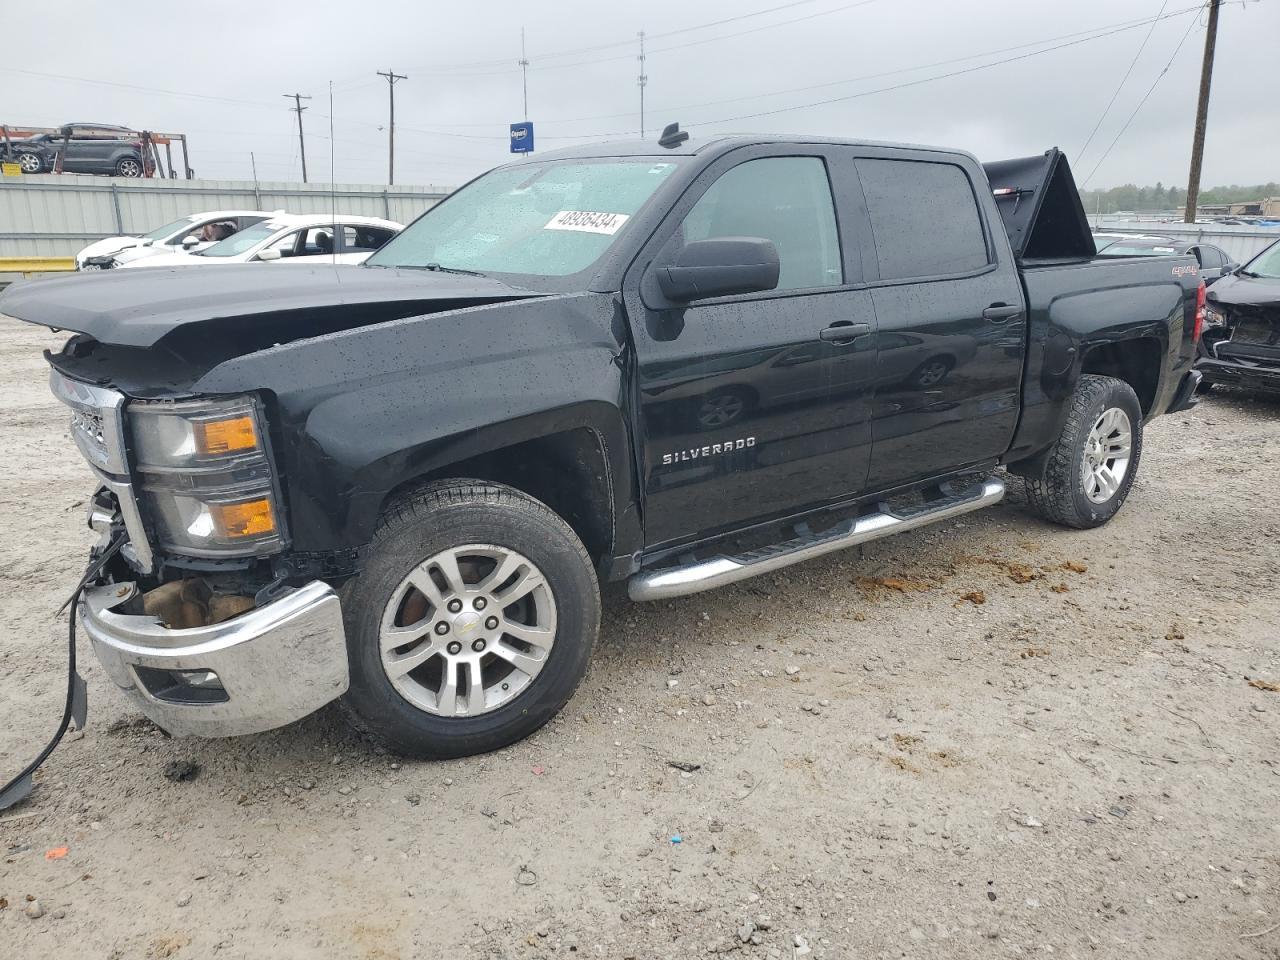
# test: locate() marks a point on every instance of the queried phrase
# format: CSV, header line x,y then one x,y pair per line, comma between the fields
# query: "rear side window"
x,y
783,199
924,217
1210,257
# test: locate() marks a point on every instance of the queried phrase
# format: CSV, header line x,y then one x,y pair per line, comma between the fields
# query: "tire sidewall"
x,y
403,545
1113,393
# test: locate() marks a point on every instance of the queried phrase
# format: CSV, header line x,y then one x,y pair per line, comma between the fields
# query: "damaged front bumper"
x,y
265,668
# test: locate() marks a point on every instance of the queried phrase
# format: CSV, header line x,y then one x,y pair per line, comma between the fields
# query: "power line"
x,y
1106,153
302,145
1111,27
1120,86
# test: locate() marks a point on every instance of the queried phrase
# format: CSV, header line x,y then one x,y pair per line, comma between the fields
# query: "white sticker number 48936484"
x,y
586,221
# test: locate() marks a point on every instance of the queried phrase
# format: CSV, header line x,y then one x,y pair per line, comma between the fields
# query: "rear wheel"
x,y
472,622
1086,476
129,167
30,163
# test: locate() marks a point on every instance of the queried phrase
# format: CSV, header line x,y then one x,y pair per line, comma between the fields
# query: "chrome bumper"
x,y
273,665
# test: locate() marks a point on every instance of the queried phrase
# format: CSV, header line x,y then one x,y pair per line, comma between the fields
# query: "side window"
x,y
1211,257
317,243
287,245
358,239
924,217
783,199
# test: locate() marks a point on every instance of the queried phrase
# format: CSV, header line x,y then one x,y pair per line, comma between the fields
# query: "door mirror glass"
x,y
720,267
272,253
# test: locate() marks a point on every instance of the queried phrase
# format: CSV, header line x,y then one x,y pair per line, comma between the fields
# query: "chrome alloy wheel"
x,y
29,163
467,630
1106,455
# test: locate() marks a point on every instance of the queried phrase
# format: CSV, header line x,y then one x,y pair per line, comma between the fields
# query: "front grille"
x,y
97,427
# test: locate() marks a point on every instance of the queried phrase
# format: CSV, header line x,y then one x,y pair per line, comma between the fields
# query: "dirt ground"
x,y
992,738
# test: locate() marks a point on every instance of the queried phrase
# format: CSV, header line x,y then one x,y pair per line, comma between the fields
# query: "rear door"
x,y
949,307
738,417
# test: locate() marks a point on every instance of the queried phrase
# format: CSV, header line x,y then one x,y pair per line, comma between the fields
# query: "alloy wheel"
x,y
1107,452
468,630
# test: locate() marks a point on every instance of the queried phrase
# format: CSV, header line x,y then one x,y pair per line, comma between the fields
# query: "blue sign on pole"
x,y
522,137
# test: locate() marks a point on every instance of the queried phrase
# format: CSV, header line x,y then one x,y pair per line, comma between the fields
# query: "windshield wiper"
x,y
1247,273
439,269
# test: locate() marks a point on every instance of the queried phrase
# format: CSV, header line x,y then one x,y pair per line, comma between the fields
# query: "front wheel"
x,y
1086,476
471,623
30,163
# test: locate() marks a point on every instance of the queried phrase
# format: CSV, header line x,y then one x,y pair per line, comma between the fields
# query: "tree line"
x,y
1132,197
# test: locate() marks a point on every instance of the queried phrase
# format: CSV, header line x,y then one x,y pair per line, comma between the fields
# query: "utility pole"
x,y
1202,113
297,107
392,77
524,74
641,81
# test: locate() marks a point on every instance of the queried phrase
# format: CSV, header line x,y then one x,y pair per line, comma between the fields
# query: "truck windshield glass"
x,y
240,242
1265,264
539,219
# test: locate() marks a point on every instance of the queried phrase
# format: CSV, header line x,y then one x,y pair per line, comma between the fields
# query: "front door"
x,y
951,337
738,415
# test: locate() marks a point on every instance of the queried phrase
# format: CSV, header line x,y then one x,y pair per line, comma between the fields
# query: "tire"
x,y
407,713
30,162
130,167
1066,489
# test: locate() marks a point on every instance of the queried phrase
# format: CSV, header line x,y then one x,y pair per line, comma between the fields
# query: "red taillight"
x,y
1199,325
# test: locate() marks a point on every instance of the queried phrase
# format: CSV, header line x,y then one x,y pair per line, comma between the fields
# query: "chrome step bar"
x,y
677,581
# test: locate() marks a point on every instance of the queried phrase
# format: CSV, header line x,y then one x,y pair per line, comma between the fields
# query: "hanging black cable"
x,y
20,786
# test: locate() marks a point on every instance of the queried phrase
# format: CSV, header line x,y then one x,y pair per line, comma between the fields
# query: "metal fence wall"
x,y
1240,242
55,216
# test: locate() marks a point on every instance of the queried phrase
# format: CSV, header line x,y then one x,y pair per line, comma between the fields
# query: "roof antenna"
x,y
672,136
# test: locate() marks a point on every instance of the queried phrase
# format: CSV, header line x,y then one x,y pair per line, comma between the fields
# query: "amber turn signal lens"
x,y
235,521
214,437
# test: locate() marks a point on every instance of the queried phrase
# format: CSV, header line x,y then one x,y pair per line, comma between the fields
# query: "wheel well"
x,y
1136,362
567,471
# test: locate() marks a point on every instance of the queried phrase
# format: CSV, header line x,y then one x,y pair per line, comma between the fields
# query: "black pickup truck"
x,y
677,365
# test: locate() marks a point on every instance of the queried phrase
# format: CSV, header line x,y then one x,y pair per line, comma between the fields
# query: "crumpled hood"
x,y
136,308
107,246
1238,291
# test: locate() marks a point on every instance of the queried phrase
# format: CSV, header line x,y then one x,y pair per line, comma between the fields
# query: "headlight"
x,y
1214,316
206,478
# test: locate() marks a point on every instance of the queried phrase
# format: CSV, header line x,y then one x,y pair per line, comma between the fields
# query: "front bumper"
x,y
1240,373
274,664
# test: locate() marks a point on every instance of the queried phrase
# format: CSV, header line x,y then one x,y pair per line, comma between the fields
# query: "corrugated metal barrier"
x,y
56,216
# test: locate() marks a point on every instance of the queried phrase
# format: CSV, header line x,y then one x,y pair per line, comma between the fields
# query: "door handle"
x,y
1000,312
842,331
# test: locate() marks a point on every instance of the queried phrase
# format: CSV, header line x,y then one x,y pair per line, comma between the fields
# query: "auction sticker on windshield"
x,y
587,221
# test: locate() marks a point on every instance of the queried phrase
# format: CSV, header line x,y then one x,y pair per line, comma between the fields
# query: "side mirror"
x,y
272,254
189,242
720,267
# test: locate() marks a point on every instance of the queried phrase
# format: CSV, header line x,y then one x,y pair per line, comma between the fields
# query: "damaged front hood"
x,y
137,308
1241,291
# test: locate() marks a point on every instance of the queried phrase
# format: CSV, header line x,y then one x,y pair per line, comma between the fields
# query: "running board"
x,y
678,581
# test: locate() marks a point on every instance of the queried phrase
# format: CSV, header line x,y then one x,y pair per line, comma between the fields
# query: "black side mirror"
x,y
720,267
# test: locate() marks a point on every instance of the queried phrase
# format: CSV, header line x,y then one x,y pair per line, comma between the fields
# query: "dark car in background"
x,y
85,147
1241,343
1215,262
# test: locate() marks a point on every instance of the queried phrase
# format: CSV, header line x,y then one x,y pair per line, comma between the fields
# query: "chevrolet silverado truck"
x,y
675,364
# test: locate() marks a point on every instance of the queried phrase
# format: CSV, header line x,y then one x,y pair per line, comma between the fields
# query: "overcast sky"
x,y
217,71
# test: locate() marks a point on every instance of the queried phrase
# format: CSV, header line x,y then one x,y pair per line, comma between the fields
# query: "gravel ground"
x,y
991,738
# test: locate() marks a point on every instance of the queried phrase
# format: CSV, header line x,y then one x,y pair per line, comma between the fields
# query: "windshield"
x,y
160,233
240,242
549,219
1265,264
1125,249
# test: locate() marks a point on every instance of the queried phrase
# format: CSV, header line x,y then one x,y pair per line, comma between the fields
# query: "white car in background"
x,y
184,234
290,238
